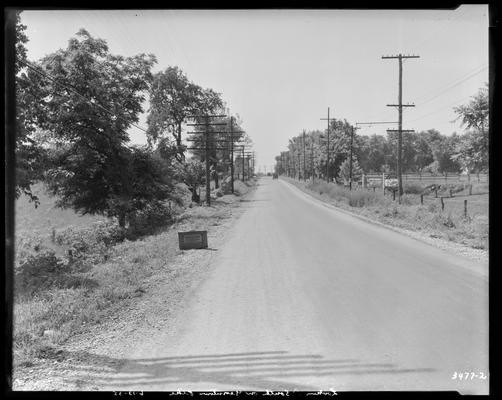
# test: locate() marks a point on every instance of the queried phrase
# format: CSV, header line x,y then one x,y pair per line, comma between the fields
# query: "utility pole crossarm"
x,y
202,132
211,123
209,116
400,106
327,146
378,122
401,56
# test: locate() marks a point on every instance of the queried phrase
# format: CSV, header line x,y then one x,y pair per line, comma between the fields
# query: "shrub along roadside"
x,y
70,280
76,300
56,298
410,214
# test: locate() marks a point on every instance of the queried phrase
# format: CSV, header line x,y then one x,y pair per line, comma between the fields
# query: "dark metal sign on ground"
x,y
192,240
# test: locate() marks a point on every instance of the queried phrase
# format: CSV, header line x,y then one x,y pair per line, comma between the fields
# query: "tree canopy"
x,y
89,98
474,115
30,155
172,99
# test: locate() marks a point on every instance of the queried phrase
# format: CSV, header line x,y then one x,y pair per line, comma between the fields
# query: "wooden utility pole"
x,y
232,137
232,154
248,156
327,147
243,177
206,156
312,158
206,133
400,106
304,162
350,161
299,165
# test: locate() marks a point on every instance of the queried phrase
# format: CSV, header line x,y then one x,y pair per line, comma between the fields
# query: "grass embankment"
x,y
58,297
450,224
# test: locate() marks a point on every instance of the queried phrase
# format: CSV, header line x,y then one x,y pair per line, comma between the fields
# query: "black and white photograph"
x,y
248,200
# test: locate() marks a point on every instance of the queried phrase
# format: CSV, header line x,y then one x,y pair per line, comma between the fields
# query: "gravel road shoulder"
x,y
102,350
452,247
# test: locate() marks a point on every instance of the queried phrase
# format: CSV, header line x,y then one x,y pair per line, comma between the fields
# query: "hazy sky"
x,y
281,69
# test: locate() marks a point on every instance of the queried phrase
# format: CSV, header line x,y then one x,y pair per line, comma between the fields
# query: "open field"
x,y
428,179
476,204
47,216
428,218
64,297
292,295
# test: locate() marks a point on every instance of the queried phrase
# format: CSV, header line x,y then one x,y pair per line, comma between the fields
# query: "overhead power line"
x,y
471,75
400,106
440,109
69,88
444,88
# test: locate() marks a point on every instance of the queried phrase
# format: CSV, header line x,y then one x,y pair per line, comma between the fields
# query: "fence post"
x,y
422,199
374,187
465,208
451,193
442,204
446,176
394,195
470,189
383,182
436,191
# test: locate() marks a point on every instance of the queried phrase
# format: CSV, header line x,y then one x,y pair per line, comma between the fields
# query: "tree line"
x,y
422,152
73,110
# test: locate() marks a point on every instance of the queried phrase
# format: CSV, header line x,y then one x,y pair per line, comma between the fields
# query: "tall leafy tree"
x,y
472,151
30,155
172,98
339,145
474,115
344,172
377,148
89,99
192,173
423,155
219,148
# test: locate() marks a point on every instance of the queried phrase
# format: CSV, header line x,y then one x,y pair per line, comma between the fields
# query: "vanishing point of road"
x,y
305,297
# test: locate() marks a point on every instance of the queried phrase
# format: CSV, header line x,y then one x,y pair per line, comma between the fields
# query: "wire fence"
x,y
429,179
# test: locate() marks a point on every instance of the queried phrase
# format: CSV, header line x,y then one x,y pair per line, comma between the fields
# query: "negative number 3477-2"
x,y
468,375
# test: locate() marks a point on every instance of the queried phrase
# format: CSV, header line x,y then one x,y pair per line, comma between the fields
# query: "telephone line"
x,y
69,88
400,106
452,86
440,109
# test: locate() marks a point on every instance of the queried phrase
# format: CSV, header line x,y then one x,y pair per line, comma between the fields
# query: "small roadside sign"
x,y
192,240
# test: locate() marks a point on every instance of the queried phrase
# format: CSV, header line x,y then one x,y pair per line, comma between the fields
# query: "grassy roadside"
x,y
105,281
451,224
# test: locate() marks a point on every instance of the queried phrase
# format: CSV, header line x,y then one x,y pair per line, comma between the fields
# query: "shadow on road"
x,y
259,370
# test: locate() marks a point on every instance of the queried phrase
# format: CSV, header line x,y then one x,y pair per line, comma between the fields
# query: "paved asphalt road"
x,y
306,297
